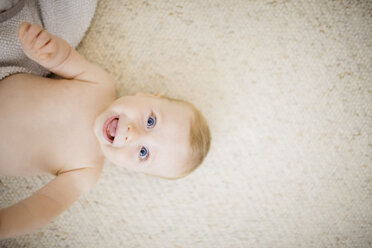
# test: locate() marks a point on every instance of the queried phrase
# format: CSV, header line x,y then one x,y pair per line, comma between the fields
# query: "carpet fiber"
x,y
286,88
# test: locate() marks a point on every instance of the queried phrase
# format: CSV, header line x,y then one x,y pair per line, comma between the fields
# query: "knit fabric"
x,y
286,88
68,19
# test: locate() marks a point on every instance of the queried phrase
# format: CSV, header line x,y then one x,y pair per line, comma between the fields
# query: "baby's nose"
x,y
131,133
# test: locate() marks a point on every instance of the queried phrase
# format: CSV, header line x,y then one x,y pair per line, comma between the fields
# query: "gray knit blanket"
x,y
67,19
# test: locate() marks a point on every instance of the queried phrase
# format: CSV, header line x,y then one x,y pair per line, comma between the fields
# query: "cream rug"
x,y
286,87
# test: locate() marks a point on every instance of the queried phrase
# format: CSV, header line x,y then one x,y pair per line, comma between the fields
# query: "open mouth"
x,y
109,128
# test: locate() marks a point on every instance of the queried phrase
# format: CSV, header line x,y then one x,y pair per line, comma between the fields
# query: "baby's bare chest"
x,y
46,128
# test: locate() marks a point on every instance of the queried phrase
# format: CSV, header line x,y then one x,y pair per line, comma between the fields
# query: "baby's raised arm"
x,y
56,55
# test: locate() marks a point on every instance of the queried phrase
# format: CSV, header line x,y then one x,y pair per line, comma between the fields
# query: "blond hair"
x,y
200,138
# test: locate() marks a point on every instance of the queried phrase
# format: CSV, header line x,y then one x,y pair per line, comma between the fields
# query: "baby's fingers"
x,y
42,40
49,47
31,35
22,29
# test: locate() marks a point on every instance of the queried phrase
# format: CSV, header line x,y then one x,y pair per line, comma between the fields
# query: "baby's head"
x,y
154,135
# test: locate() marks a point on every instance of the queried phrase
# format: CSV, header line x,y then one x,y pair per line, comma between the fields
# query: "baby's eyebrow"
x,y
159,114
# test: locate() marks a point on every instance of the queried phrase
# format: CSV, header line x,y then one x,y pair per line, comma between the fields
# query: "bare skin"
x,y
66,128
42,119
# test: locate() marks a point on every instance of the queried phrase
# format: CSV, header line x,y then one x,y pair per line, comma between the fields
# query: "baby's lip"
x,y
105,125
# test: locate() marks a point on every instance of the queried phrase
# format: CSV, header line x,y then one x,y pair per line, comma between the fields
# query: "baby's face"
x,y
147,134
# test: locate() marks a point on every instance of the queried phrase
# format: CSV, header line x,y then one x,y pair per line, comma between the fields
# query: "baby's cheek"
x,y
110,155
120,157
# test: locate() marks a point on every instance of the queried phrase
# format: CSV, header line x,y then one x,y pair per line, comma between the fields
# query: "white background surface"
x,y
286,88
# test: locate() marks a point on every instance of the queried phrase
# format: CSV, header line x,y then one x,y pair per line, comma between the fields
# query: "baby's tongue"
x,y
112,127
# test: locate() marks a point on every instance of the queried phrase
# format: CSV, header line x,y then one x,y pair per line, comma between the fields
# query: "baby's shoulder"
x,y
98,78
103,86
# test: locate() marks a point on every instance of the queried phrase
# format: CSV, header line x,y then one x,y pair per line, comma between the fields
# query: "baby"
x,y
67,126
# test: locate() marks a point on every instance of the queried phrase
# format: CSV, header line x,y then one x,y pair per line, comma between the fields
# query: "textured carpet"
x,y
286,87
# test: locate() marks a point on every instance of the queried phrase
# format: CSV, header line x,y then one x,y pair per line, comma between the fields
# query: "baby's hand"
x,y
42,47
56,55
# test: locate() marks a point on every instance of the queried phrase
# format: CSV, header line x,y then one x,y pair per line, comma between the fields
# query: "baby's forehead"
x,y
172,161
174,128
174,110
173,137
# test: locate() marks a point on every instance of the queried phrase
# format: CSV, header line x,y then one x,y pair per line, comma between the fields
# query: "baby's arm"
x,y
56,55
47,203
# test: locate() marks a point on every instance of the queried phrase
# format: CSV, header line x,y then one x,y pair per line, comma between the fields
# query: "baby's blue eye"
x,y
151,121
143,153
